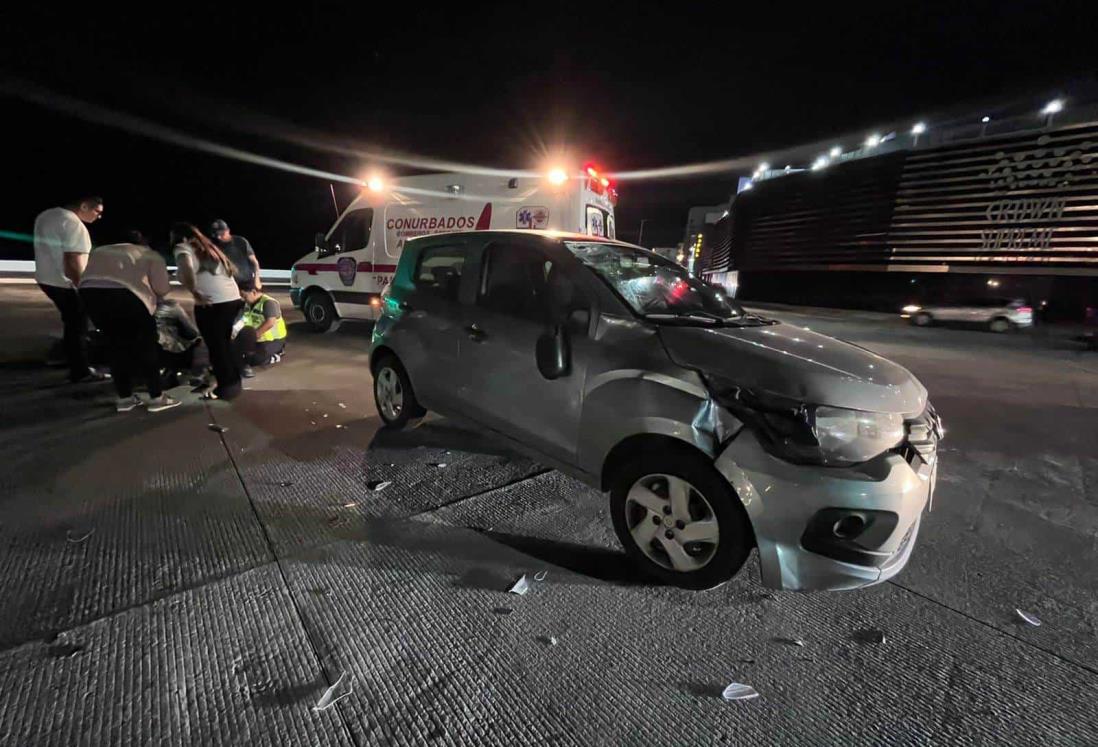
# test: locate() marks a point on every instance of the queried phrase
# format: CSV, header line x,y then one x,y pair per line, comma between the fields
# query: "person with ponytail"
x,y
207,273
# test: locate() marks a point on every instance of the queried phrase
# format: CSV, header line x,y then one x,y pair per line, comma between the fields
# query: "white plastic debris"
x,y
791,642
329,698
325,414
76,540
739,691
382,485
339,426
1029,618
521,586
540,575
342,406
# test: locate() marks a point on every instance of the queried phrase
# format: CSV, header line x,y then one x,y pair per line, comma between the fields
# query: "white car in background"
x,y
996,314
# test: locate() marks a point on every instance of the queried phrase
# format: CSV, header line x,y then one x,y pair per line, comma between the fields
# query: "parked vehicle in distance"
x,y
712,429
996,314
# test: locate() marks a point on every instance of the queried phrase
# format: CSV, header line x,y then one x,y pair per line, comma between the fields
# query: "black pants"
x,y
131,337
252,352
76,328
215,322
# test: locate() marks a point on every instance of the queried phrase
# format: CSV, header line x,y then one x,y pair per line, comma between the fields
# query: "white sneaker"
x,y
125,404
163,402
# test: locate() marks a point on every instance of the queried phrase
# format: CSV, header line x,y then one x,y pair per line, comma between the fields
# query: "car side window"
x,y
513,281
521,281
439,270
353,232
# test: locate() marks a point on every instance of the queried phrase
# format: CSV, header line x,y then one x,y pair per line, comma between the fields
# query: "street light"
x,y
873,140
1051,109
918,129
835,152
984,121
820,163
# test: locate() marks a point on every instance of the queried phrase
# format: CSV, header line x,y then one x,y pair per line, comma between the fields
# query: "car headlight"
x,y
805,433
911,308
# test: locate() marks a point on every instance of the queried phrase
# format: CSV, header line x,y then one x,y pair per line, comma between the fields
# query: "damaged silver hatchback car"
x,y
713,430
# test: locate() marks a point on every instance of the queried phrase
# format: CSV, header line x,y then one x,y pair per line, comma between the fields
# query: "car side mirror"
x,y
553,354
321,245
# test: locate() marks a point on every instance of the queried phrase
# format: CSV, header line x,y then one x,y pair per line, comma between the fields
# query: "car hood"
x,y
795,362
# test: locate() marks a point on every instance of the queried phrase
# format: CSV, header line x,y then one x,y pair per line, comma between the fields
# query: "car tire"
x,y
1000,324
709,499
320,312
393,394
922,319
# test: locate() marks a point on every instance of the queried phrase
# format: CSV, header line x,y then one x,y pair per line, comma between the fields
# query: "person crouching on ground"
x,y
120,288
261,338
207,273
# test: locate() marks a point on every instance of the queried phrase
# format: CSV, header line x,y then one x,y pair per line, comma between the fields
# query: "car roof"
x,y
556,235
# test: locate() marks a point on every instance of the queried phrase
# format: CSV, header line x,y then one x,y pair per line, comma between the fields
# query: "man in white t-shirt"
x,y
61,247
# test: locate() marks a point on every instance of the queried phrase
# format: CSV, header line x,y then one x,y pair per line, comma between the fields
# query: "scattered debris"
x,y
790,641
870,635
1029,618
378,485
325,414
285,484
72,539
739,691
313,422
217,428
65,650
540,575
342,406
339,426
548,640
321,591
503,610
440,465
520,587
329,698
352,504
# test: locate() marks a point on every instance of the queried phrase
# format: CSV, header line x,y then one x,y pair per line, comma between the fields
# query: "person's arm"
x,y
254,262
158,277
73,264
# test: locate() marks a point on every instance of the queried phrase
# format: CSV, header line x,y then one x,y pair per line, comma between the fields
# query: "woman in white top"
x,y
208,274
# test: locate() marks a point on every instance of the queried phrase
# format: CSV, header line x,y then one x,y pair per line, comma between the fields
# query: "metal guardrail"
x,y
24,269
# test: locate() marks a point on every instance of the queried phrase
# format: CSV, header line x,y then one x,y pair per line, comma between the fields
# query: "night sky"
x,y
494,85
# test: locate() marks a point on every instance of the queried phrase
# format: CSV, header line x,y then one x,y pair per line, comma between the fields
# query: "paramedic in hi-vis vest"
x,y
260,332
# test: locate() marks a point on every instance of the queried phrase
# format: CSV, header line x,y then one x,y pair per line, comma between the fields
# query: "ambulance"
x,y
344,276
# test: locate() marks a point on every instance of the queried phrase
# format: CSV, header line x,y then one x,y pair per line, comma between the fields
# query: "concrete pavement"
x,y
165,582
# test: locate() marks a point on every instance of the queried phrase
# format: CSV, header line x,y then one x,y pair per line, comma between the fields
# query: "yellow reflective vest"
x,y
253,317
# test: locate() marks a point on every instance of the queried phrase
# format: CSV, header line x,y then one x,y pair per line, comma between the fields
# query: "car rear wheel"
x,y
393,394
320,312
922,319
999,325
679,520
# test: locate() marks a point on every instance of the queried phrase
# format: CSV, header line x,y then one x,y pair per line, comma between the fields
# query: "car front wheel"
x,y
922,319
1000,325
680,521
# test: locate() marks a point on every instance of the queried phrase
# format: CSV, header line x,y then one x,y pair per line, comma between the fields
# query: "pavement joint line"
x,y
478,494
997,629
281,572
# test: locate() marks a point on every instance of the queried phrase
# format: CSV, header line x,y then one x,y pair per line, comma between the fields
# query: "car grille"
x,y
923,435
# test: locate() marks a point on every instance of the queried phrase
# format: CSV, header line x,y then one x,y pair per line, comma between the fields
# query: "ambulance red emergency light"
x,y
353,262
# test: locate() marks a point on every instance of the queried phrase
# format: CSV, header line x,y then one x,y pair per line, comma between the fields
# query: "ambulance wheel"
x,y
320,312
393,394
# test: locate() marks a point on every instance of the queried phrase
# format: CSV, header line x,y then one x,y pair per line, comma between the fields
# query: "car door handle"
x,y
476,334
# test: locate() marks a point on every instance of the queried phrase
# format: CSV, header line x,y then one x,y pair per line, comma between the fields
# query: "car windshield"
x,y
657,288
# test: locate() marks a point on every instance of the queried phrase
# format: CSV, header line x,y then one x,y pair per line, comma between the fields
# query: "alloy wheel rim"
x,y
672,523
390,394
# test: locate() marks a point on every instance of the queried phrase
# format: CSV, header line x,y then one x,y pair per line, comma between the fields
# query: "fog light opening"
x,y
849,527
